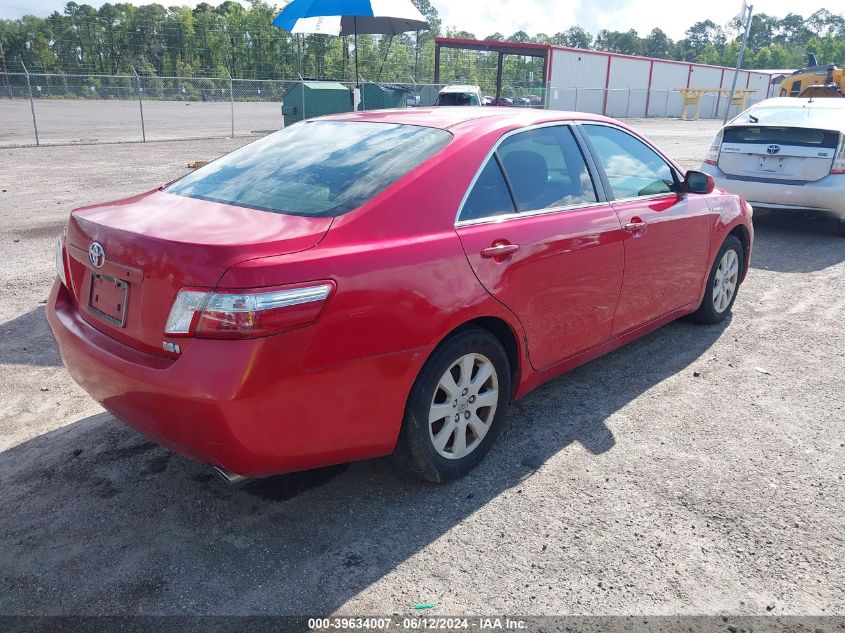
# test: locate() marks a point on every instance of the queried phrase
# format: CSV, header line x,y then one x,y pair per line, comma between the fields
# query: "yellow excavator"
x,y
814,81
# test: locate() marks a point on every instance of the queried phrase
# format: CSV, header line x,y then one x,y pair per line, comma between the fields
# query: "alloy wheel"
x,y
727,279
463,406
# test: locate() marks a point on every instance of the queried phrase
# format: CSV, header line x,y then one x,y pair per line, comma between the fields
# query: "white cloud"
x,y
486,17
551,16
508,16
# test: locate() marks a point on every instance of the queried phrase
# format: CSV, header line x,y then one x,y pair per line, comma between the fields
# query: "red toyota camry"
x,y
385,283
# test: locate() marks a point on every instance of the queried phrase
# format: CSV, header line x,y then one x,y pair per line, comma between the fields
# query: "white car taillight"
x,y
226,314
188,303
715,147
61,262
839,160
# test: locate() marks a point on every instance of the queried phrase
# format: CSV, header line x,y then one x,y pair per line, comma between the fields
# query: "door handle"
x,y
636,227
499,250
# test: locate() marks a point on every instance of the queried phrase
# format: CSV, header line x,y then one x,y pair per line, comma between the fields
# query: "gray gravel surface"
x,y
698,470
62,121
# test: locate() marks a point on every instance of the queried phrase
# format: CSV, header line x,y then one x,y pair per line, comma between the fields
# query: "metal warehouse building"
x,y
617,85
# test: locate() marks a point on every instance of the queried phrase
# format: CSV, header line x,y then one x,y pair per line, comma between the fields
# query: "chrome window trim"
x,y
653,196
511,216
507,217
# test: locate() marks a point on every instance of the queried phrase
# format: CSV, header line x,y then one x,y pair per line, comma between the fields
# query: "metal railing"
x,y
48,109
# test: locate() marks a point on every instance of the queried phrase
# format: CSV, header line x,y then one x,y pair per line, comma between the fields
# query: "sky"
x,y
485,17
550,16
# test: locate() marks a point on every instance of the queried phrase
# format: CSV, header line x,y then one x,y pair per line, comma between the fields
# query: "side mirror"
x,y
699,182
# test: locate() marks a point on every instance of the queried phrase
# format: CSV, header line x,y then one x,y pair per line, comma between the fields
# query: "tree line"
x,y
215,41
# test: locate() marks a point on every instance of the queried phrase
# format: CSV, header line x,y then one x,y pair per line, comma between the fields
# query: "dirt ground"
x,y
698,470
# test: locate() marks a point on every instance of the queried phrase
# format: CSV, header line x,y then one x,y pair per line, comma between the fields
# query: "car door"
x,y
667,231
541,240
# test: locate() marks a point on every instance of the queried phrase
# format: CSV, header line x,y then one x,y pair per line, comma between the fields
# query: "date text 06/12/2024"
x,y
416,624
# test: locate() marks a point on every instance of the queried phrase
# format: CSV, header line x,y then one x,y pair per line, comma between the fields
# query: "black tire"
x,y
840,228
415,452
707,313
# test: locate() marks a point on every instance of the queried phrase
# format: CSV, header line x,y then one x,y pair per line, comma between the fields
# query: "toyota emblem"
x,y
97,255
773,149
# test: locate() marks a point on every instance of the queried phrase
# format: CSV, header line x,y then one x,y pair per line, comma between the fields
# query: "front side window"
x,y
633,169
317,168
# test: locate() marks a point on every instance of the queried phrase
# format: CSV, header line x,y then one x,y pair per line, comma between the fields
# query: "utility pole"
x,y
747,13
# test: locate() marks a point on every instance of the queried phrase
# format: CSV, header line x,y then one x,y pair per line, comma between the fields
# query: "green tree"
x,y
575,37
657,44
699,36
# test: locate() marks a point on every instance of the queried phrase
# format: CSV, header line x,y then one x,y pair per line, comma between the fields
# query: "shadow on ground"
x,y
27,340
796,242
99,521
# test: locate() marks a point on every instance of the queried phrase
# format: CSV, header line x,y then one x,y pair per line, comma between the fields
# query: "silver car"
x,y
784,153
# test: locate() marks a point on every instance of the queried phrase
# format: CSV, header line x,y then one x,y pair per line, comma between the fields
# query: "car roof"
x,y
795,102
822,113
448,118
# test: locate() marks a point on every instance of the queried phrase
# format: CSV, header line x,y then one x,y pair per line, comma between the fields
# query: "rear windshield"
x,y
796,136
317,168
457,99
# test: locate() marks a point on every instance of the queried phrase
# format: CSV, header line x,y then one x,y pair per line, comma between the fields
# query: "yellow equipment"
x,y
693,97
814,81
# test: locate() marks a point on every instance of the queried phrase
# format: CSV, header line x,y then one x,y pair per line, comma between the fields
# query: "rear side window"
x,y
546,169
633,169
489,196
543,169
318,168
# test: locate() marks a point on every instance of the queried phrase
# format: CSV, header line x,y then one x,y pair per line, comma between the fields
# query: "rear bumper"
x,y
827,194
247,406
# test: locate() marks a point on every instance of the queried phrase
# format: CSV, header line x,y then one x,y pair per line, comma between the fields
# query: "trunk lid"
x,y
796,154
157,243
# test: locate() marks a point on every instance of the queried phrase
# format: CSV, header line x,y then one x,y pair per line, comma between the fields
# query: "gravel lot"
x,y
62,121
697,471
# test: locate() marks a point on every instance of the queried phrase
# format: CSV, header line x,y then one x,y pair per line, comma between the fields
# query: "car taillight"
x,y
715,147
61,260
839,160
235,314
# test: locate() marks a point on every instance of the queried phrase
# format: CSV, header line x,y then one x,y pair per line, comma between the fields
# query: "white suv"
x,y
784,153
459,96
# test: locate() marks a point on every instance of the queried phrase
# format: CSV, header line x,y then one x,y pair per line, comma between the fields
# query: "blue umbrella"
x,y
351,17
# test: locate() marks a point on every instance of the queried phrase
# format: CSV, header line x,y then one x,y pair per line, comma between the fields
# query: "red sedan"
x,y
385,283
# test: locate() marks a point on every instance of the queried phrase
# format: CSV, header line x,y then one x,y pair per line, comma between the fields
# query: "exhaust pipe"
x,y
229,477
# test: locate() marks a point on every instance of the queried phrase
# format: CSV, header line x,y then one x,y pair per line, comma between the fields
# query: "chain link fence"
x,y
49,109
46,109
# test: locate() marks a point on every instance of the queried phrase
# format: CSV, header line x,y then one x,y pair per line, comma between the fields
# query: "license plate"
x,y
770,163
108,298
